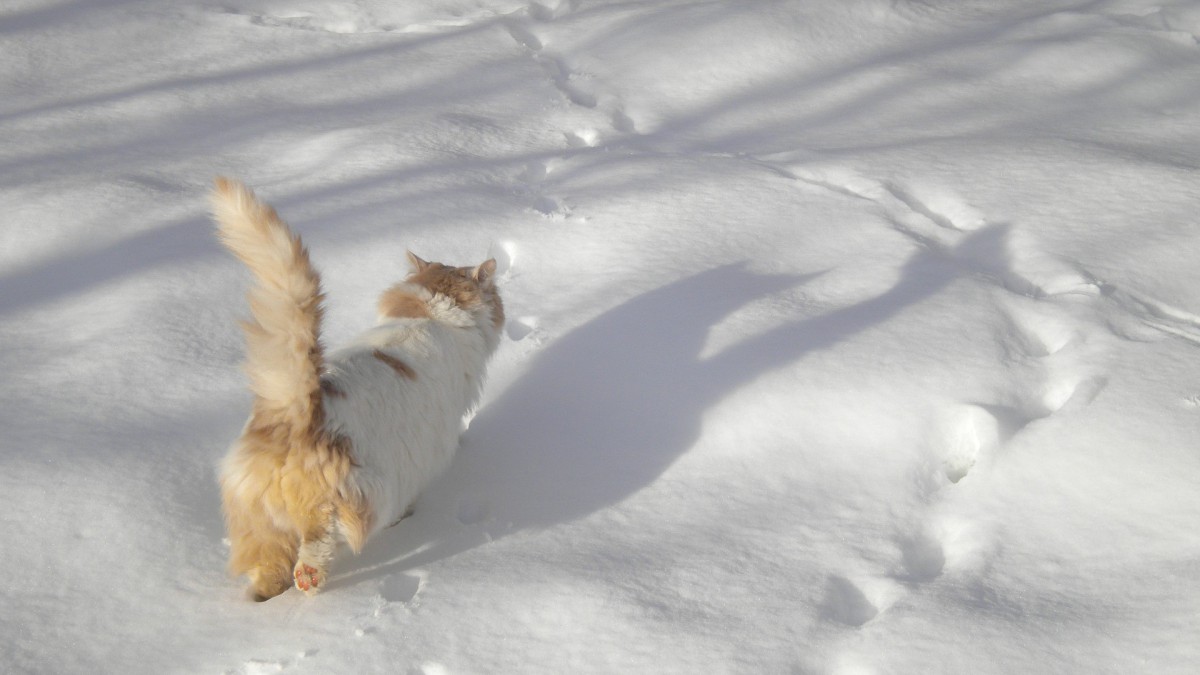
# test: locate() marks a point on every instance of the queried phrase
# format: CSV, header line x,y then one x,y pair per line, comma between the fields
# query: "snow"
x,y
845,337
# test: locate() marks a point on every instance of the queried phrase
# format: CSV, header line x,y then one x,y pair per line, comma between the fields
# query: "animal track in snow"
x,y
841,180
550,207
524,37
1068,285
532,179
623,123
565,79
402,587
1157,314
1174,23
854,603
334,17
938,206
554,66
944,543
1059,355
573,85
846,603
1042,334
1037,334
962,436
1065,394
947,212
521,327
347,18
504,253
343,24
1052,361
549,10
583,138
1051,367
909,210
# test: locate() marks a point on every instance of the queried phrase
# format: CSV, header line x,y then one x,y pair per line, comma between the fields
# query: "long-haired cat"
x,y
338,446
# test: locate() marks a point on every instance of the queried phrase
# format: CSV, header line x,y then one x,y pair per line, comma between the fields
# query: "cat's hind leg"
x,y
258,549
270,577
265,557
317,547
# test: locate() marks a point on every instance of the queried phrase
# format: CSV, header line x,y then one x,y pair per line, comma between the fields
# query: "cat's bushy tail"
x,y
284,358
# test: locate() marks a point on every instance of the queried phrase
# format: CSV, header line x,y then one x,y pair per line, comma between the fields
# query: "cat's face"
x,y
469,287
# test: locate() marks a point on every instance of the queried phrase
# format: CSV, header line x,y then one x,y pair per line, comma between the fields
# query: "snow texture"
x,y
846,337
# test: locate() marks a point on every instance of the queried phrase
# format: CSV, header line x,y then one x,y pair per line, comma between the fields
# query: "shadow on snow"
x,y
608,408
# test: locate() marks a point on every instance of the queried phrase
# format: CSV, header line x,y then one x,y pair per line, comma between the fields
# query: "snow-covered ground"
x,y
847,336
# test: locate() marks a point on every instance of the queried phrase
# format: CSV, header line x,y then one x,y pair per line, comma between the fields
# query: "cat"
x,y
338,445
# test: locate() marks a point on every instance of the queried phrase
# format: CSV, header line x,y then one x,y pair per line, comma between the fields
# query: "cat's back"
x,y
406,361
397,395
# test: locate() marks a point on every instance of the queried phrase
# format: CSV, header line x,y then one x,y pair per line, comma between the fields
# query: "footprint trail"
x,y
1053,345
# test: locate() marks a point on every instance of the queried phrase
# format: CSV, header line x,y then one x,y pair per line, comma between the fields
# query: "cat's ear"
x,y
485,274
418,265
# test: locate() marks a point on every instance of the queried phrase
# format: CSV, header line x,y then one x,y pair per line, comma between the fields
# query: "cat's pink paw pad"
x,y
307,578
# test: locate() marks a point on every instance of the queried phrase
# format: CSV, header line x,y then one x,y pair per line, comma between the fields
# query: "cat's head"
x,y
471,288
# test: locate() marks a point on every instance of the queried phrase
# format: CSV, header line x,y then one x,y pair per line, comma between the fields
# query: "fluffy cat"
x,y
338,446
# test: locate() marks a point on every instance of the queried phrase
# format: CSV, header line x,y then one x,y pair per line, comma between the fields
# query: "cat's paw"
x,y
264,588
308,578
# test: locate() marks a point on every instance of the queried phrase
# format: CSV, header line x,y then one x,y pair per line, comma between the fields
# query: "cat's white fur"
x,y
339,446
402,445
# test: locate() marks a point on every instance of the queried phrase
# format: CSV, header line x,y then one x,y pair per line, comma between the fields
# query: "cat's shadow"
x,y
603,411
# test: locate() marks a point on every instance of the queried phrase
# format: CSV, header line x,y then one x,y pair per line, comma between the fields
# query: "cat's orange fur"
x,y
286,486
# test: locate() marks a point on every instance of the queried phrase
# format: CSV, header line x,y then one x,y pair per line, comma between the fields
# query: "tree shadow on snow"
x,y
605,410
